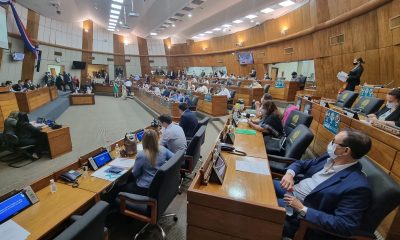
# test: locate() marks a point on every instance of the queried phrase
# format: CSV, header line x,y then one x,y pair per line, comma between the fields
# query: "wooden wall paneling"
x,y
395,11
321,43
144,60
87,43
371,73
396,64
384,33
322,10
28,64
386,65
370,30
357,3
119,47
338,7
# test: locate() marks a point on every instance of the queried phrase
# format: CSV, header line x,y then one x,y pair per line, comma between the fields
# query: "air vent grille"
x,y
110,59
394,22
58,54
288,51
335,40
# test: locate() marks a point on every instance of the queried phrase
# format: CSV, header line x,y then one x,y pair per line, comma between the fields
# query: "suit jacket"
x,y
394,116
188,123
354,77
339,203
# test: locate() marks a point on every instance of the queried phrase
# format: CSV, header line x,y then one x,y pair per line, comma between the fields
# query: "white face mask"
x,y
391,105
331,150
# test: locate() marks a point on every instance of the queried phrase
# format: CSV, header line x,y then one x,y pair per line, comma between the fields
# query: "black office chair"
x,y
90,225
162,192
367,105
195,100
302,81
292,149
231,99
346,99
295,118
202,122
385,198
192,154
266,88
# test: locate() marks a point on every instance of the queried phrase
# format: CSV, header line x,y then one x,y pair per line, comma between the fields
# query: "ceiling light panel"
x,y
217,29
286,3
208,32
226,25
113,20
267,10
114,16
251,16
118,1
115,12
116,6
112,24
153,34
237,21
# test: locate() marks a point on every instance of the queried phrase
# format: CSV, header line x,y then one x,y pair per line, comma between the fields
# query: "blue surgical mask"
x,y
331,150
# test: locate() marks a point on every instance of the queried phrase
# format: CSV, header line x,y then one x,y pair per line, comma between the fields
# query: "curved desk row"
x,y
32,100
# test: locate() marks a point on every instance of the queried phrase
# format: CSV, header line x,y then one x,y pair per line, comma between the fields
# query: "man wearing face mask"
x,y
353,78
390,114
334,193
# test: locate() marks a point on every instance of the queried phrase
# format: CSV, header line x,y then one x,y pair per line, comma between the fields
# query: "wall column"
x,y
144,55
32,27
119,48
87,44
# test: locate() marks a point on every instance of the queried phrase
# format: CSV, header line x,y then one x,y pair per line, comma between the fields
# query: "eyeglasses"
x,y
340,144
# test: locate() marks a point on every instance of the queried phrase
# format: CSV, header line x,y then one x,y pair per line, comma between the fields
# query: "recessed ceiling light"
x,y
195,37
208,32
251,21
116,6
251,16
118,1
113,20
201,34
114,16
120,22
115,12
173,25
112,24
267,10
238,21
226,25
217,29
286,3
153,34
190,15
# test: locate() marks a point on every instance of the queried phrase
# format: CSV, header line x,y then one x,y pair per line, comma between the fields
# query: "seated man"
x,y
334,193
224,92
188,120
173,137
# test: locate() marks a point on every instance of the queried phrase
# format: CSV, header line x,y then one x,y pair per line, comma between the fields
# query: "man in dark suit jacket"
x,y
334,194
390,113
188,120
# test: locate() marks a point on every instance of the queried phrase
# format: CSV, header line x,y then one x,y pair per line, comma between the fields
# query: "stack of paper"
x,y
10,230
252,166
342,76
104,174
122,163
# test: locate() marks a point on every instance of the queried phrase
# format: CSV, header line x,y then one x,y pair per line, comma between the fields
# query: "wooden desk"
x,y
157,103
243,207
8,103
288,93
53,93
59,141
4,89
105,89
247,94
32,100
52,209
81,99
217,107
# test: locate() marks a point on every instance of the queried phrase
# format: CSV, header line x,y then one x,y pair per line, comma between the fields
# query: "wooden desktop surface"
x,y
253,146
52,209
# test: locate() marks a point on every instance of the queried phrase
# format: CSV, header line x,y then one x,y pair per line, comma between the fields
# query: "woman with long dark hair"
x,y
270,123
353,78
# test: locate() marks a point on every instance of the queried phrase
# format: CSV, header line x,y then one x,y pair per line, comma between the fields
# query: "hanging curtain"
x,y
24,35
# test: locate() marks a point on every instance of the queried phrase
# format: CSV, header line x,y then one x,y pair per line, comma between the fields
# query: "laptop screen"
x,y
139,135
102,158
13,205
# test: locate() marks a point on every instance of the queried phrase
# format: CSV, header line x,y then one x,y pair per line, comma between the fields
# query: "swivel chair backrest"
x,y
346,99
296,118
164,186
194,147
367,105
298,141
195,100
233,93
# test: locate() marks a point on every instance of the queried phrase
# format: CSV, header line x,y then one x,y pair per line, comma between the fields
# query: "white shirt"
x,y
157,91
173,138
128,84
225,92
305,186
203,89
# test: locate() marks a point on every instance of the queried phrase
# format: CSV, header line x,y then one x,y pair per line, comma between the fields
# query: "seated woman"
x,y
258,104
147,162
390,114
29,135
270,123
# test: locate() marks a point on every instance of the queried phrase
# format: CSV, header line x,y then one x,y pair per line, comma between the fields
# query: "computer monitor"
x,y
13,205
102,158
139,135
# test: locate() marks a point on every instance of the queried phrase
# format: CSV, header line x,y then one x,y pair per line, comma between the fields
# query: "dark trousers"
x,y
129,90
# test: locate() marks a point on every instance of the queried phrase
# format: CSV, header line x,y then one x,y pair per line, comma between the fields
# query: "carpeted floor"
x,y
90,127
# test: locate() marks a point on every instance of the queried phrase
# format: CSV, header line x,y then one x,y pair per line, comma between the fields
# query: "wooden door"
x,y
274,73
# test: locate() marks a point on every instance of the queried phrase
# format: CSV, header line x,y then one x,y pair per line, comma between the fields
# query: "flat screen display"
x,y
3,29
245,58
78,65
13,205
102,158
18,56
139,135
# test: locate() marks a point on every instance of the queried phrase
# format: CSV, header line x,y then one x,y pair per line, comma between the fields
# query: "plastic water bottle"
x,y
53,186
288,208
85,172
117,151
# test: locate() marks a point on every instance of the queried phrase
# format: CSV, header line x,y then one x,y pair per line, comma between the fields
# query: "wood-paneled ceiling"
x,y
167,18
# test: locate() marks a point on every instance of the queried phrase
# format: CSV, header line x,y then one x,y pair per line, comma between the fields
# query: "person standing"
x,y
116,89
353,78
188,120
128,85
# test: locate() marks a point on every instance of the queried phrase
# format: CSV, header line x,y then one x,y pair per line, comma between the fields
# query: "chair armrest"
x,y
75,217
189,159
305,225
281,159
135,198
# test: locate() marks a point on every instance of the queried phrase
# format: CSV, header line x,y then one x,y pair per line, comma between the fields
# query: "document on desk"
x,y
125,163
252,166
10,230
104,174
